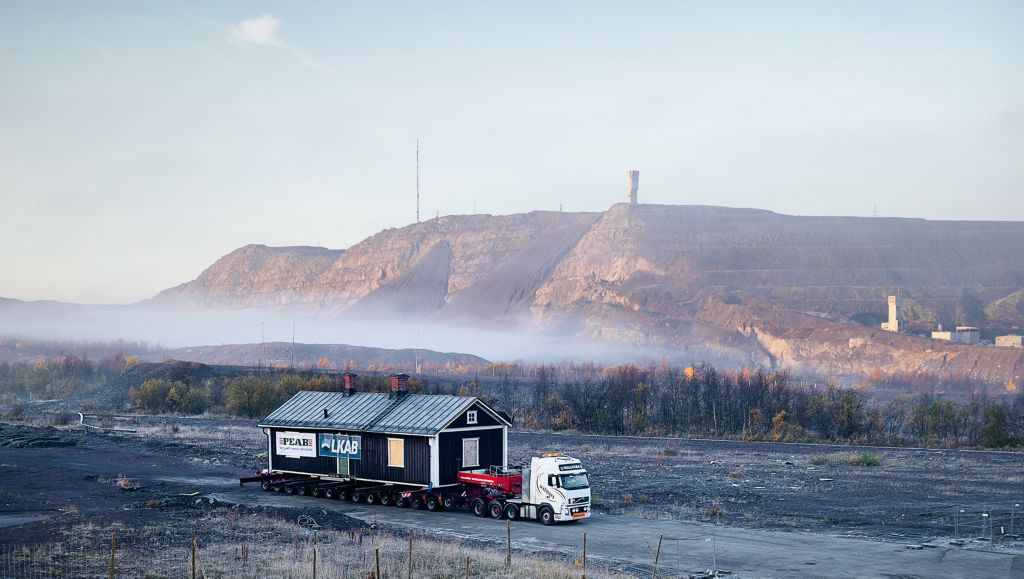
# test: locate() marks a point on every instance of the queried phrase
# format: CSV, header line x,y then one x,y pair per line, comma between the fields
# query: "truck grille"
x,y
579,500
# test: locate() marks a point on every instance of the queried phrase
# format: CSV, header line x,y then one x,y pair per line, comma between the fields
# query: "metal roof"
x,y
366,412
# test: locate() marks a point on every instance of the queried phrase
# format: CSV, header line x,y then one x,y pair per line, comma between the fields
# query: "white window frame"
x,y
471,417
477,462
391,461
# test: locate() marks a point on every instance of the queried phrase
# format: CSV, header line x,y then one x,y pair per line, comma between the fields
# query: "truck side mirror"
x,y
553,481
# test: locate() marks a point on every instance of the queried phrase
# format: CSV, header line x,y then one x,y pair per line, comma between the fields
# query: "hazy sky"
x,y
140,141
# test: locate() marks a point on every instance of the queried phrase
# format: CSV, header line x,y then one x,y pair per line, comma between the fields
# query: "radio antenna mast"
x,y
417,180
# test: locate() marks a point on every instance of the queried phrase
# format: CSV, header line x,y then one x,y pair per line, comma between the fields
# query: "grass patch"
x,y
866,459
852,458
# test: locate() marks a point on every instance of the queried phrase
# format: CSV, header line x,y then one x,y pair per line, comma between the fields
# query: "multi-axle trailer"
x,y
552,489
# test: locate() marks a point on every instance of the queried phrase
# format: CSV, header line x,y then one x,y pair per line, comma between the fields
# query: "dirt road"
x,y
686,548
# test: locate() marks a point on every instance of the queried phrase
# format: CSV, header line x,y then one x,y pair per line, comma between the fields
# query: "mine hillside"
x,y
729,286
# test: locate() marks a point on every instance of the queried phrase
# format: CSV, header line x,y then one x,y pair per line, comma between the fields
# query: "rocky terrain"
x,y
729,286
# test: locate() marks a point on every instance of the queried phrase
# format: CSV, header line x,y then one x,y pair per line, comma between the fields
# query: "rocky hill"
x,y
688,279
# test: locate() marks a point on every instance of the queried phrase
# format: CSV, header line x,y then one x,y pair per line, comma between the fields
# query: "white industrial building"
x,y
962,335
895,315
1010,341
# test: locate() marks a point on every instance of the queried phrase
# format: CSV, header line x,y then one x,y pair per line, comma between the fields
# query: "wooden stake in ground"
x,y
584,555
656,557
314,554
376,557
410,553
113,547
467,566
193,556
508,557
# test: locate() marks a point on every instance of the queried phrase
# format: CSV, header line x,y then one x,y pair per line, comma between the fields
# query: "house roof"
x,y
366,412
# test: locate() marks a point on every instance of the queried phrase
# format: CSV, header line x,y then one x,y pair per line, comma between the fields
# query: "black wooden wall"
x,y
491,451
374,462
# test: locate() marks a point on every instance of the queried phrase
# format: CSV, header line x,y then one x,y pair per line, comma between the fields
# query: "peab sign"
x,y
296,444
341,445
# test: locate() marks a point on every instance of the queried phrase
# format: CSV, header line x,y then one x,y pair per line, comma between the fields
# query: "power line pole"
x,y
417,180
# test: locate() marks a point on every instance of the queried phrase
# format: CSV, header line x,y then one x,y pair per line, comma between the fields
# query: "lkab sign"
x,y
341,445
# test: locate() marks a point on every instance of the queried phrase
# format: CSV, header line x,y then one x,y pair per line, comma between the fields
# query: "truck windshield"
x,y
572,482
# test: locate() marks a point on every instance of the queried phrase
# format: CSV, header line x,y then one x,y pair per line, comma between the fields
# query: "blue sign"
x,y
341,446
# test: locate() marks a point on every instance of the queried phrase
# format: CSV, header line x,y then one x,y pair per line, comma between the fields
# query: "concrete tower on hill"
x,y
632,185
895,314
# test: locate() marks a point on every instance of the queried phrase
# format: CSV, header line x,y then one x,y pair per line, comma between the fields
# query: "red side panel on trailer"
x,y
506,483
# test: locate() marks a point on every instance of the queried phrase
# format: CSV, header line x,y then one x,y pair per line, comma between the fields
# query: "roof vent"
x,y
325,413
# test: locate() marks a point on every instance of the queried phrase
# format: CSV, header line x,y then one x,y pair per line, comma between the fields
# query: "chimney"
x,y
399,385
632,186
349,379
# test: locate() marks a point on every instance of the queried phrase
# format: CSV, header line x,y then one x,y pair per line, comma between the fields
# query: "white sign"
x,y
296,444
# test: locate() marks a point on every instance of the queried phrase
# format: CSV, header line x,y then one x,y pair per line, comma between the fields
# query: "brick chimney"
x,y
349,380
399,385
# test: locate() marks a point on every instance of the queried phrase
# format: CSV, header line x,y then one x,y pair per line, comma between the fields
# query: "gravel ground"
x,y
797,487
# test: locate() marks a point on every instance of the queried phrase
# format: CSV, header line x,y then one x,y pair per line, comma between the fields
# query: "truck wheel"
x,y
512,511
386,500
495,509
479,507
265,485
330,493
345,494
433,505
417,502
303,491
402,503
371,499
317,492
448,503
546,515
357,498
290,490
279,488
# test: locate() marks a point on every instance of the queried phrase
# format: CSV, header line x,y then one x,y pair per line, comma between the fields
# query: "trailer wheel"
x,y
386,500
357,498
317,492
479,507
546,515
303,491
265,485
495,509
401,503
372,499
345,494
417,502
448,503
512,511
290,490
330,494
433,505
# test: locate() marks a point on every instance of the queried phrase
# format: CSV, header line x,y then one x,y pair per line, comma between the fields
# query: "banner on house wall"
x,y
296,444
341,446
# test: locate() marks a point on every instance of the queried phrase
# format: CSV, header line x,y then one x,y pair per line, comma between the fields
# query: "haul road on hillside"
x,y
434,452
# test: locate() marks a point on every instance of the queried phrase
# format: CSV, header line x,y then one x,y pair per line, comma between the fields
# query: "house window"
x,y
471,417
396,452
470,452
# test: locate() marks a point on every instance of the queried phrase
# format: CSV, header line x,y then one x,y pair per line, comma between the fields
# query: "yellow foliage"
x,y
1011,386
690,372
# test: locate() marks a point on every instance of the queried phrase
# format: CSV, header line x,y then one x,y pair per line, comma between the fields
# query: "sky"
x,y
140,141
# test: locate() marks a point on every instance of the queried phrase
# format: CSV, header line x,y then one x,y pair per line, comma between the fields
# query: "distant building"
x,y
962,335
1010,341
895,315
632,185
